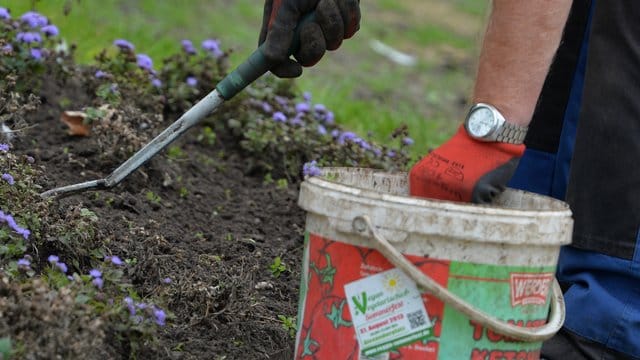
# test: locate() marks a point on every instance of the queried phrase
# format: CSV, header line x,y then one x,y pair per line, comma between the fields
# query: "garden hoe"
x,y
247,72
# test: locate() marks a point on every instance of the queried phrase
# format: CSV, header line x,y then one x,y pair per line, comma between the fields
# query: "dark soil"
x,y
199,219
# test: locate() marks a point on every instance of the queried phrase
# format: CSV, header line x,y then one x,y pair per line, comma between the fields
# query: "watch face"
x,y
481,122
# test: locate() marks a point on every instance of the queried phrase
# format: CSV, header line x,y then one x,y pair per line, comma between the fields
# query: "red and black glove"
x,y
335,20
466,170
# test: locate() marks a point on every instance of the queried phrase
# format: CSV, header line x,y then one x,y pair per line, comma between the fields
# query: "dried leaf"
x,y
75,121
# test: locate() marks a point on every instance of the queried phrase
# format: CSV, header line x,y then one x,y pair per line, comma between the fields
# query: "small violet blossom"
x,y
95,273
7,49
4,14
50,30
114,260
188,47
160,316
297,120
34,19
28,37
124,44
36,54
303,107
407,141
266,107
311,169
166,280
8,178
213,47
7,218
346,136
322,130
144,61
24,263
279,116
98,282
306,96
4,147
155,82
100,74
192,81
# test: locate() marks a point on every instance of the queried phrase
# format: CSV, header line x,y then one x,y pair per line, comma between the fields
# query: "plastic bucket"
x,y
389,276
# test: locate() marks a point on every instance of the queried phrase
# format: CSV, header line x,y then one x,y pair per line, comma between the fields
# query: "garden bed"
x,y
194,256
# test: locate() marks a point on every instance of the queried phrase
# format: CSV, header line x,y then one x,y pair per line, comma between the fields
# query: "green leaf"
x,y
5,347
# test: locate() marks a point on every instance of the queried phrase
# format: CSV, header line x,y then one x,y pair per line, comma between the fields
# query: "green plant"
x,y
289,324
277,267
207,136
153,197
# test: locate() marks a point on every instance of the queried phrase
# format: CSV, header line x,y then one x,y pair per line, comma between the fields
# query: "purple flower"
x,y
98,282
282,101
187,46
50,30
213,47
303,107
377,152
130,305
95,273
306,96
100,74
114,260
8,178
13,225
346,136
4,13
124,44
279,116
34,19
144,61
166,280
7,49
61,266
155,82
297,120
266,107
192,81
25,263
160,316
53,259
311,169
36,54
4,147
407,141
391,154
329,117
322,130
28,37
335,133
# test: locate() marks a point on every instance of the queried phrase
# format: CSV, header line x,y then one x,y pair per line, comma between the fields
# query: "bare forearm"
x,y
518,47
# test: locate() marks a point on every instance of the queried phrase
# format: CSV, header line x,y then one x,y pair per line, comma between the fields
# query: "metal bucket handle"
x,y
362,224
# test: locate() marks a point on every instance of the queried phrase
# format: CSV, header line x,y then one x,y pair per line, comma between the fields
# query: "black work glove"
x,y
335,20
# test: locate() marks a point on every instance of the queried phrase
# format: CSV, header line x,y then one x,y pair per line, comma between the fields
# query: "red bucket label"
x,y
336,321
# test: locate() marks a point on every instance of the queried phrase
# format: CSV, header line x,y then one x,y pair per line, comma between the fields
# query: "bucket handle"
x,y
362,224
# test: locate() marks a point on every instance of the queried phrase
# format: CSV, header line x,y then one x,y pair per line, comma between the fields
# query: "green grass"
x,y
366,91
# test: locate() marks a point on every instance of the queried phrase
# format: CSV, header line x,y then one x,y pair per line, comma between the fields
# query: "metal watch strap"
x,y
511,133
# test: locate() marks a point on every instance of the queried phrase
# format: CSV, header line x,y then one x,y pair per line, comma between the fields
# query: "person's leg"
x,y
566,345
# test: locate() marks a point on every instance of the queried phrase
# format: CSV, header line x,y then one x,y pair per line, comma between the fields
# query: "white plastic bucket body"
x,y
354,303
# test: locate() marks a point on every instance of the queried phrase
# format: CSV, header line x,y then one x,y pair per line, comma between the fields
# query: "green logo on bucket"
x,y
361,306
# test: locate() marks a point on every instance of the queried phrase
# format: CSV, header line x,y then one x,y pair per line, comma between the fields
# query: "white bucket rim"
x,y
560,208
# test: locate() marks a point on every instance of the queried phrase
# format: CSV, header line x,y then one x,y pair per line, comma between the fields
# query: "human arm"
x,y
519,44
334,21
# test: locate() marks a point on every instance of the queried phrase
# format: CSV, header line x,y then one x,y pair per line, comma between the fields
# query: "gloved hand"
x,y
335,20
465,169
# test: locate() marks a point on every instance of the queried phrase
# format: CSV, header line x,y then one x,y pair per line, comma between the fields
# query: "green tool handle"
x,y
256,65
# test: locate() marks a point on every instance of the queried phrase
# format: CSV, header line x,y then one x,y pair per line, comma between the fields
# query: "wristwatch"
x,y
485,123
